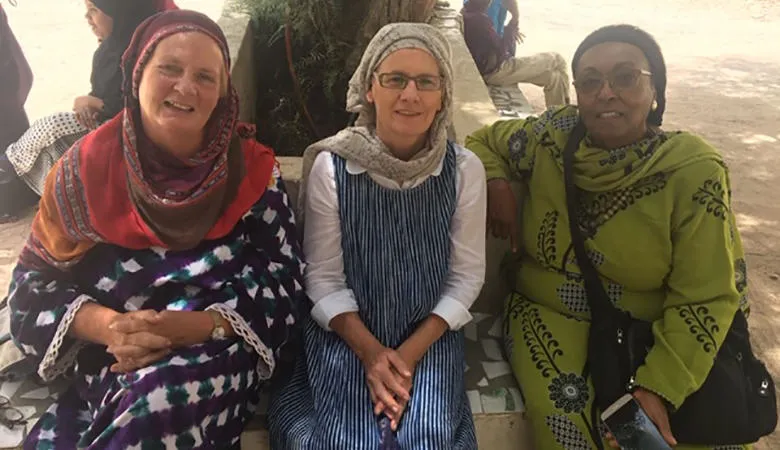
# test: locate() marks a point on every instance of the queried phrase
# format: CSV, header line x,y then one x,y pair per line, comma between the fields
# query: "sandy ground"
x,y
724,83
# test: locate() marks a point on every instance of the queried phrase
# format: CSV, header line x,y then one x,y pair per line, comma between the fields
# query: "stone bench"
x,y
495,399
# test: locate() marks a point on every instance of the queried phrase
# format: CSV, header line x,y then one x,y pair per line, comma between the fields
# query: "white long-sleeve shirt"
x,y
325,280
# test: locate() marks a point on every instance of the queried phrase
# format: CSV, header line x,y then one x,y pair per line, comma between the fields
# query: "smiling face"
x,y
615,117
403,116
101,24
180,88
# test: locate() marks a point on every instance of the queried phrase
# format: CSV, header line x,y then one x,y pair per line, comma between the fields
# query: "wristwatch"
x,y
218,332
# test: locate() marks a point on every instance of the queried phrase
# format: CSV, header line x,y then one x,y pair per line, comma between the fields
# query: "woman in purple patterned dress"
x,y
163,272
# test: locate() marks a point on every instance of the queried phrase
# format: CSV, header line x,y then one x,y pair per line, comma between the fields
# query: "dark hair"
x,y
127,15
637,37
476,5
106,78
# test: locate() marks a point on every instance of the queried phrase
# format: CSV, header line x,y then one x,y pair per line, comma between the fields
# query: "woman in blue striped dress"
x,y
394,237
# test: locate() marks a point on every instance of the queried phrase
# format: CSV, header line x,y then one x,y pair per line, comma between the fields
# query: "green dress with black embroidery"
x,y
663,237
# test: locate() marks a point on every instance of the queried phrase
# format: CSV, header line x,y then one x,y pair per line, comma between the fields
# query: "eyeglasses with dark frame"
x,y
619,81
10,417
399,81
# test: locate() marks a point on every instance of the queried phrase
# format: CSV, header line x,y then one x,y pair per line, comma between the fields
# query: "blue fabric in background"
x,y
497,13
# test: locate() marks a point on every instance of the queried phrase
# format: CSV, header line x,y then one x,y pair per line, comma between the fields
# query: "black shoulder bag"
x,y
736,403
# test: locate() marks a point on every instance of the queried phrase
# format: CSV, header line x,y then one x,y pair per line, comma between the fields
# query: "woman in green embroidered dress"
x,y
659,226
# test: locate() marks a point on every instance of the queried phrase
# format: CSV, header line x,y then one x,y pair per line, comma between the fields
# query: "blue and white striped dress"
x,y
396,250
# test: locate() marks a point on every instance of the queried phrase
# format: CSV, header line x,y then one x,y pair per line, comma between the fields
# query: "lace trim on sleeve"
x,y
266,364
52,366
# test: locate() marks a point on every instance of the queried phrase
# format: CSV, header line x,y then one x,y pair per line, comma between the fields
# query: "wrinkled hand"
x,y
513,28
182,328
82,102
87,117
136,342
502,211
655,409
389,378
87,111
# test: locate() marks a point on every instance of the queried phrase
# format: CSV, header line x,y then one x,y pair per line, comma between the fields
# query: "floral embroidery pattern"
x,y
565,123
712,196
741,282
614,291
732,230
701,324
614,156
569,391
543,120
566,433
545,242
537,336
573,295
607,205
643,150
744,304
518,143
547,141
740,275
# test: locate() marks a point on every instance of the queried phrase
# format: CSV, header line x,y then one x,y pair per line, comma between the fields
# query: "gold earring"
x,y
655,105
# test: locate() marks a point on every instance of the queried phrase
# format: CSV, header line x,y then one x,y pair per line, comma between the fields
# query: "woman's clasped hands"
x,y
389,376
141,338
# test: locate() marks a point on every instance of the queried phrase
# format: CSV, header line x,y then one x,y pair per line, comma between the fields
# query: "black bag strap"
x,y
598,300
594,289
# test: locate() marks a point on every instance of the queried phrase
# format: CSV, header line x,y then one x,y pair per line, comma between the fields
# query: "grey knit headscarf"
x,y
360,142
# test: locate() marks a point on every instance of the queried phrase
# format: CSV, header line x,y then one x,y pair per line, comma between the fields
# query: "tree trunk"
x,y
382,12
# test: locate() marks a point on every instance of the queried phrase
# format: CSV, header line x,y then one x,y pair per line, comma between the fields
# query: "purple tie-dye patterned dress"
x,y
198,397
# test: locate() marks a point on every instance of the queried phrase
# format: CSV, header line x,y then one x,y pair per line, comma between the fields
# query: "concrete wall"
x,y
473,110
238,30
473,106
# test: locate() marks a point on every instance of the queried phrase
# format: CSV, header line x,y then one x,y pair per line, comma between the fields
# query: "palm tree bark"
x,y
382,12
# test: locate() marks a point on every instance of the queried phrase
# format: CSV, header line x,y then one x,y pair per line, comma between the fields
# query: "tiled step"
x,y
495,399
507,431
491,388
